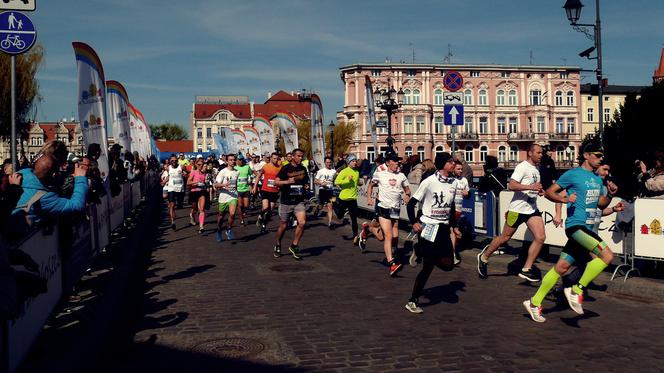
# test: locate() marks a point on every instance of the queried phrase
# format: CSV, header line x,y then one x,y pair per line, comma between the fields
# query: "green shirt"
x,y
243,175
347,181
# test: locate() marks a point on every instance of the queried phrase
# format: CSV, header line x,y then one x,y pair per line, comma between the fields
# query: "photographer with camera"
x,y
651,182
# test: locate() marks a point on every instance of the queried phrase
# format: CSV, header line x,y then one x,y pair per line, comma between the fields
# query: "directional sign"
x,y
17,33
381,124
452,98
453,81
26,5
453,115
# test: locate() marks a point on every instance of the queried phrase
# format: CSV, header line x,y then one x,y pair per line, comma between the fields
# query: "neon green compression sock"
x,y
548,282
593,269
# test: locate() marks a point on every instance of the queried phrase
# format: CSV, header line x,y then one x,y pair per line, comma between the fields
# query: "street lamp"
x,y
573,11
331,127
389,100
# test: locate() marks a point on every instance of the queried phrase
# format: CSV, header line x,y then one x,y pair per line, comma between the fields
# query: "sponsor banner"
x,y
221,145
92,101
228,138
265,133
253,139
118,111
240,141
648,233
371,113
317,135
287,129
138,132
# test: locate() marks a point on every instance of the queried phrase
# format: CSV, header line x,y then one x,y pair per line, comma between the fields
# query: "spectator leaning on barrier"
x,y
494,179
10,190
547,169
651,182
416,171
467,171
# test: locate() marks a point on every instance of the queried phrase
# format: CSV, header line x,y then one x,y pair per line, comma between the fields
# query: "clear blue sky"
x,y
166,52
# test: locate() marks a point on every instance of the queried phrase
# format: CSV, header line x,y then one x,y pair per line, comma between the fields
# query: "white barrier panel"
x,y
362,200
117,211
103,224
43,249
135,193
608,231
648,233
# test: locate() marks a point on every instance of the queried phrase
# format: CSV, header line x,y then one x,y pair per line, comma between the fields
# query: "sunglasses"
x,y
597,154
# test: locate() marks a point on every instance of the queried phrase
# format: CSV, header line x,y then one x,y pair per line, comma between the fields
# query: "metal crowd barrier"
x,y
62,267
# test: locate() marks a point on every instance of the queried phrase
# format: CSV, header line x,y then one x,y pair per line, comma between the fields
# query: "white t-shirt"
x,y
175,179
390,188
461,186
436,193
256,167
327,177
525,201
164,176
228,193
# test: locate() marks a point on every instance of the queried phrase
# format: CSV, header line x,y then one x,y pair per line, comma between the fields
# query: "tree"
x,y
27,90
343,135
168,131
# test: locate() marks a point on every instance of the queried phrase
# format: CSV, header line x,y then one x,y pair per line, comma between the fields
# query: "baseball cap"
x,y
442,159
200,156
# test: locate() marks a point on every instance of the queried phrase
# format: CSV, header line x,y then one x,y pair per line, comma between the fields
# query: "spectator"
x,y
467,171
365,169
10,190
428,169
651,182
494,179
416,171
547,169
117,172
57,149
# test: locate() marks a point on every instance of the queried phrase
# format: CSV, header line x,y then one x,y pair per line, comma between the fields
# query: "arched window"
x,y
560,153
438,97
407,96
514,153
439,149
409,151
420,152
500,98
468,153
483,152
467,97
559,98
572,153
416,97
511,99
502,154
482,97
570,98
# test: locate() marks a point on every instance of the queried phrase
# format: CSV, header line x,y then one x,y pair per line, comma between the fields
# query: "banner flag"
x,y
228,137
265,133
371,113
287,129
91,101
119,113
253,139
317,136
221,144
240,142
138,133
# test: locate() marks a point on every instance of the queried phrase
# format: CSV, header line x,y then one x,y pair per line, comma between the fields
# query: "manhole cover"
x,y
230,347
291,268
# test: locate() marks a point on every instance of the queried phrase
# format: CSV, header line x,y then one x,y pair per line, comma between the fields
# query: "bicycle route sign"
x,y
22,5
453,81
17,32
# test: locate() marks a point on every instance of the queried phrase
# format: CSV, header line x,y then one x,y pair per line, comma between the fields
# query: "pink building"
x,y
506,108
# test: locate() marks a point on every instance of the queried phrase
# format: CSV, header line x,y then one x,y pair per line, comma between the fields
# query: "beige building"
x,y
42,132
614,97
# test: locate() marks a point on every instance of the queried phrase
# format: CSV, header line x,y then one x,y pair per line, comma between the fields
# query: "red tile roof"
x,y
281,101
50,129
178,146
659,73
206,111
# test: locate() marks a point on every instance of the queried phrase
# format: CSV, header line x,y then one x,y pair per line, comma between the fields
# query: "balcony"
x,y
520,136
561,165
559,136
464,136
509,165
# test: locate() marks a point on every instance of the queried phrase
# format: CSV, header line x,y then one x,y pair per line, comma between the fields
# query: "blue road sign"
x,y
453,115
17,33
381,124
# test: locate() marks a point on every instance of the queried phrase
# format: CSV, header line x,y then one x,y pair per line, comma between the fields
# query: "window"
x,y
208,132
572,153
482,97
33,141
474,74
468,154
560,153
483,153
409,151
514,153
591,114
371,154
570,98
505,74
200,148
502,154
541,124
419,124
511,98
513,125
408,124
439,149
607,115
407,96
224,116
80,139
375,73
438,97
559,125
484,124
570,125
564,75
411,73
468,125
420,152
500,98
535,97
467,97
199,132
438,123
416,97
501,124
559,98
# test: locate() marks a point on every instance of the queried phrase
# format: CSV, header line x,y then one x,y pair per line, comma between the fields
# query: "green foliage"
x,y
343,135
168,131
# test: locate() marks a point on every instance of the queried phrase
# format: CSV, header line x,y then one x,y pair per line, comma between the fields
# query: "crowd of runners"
x,y
290,187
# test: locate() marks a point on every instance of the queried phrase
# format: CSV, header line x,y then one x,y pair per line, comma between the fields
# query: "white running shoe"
x,y
413,259
191,219
534,311
574,300
413,307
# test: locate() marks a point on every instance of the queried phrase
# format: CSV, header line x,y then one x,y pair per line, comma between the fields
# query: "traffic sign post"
x,y
453,101
17,36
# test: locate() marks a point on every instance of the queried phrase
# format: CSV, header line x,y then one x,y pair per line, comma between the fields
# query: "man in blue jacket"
x,y
38,201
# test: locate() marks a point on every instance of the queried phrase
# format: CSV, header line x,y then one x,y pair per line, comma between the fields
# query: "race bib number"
x,y
177,181
592,216
429,232
296,190
394,213
242,180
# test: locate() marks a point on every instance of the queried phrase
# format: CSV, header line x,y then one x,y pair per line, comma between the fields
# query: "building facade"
x,y
613,96
39,133
506,108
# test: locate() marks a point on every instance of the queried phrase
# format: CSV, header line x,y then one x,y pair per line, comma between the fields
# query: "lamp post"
x,y
389,100
573,11
331,127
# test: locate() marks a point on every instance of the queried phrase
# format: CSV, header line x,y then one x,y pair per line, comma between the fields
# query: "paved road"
x,y
231,306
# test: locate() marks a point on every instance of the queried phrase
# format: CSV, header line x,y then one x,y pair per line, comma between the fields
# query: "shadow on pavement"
x,y
315,251
444,293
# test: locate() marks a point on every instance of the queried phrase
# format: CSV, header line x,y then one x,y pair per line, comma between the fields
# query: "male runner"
x,y
526,184
392,185
436,224
347,180
293,180
226,183
462,191
175,187
268,188
244,174
324,179
584,190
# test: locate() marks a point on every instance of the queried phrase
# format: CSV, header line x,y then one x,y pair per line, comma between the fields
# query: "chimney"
x,y
269,95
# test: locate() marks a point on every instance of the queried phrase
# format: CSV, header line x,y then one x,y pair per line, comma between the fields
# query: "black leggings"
x,y
434,254
351,206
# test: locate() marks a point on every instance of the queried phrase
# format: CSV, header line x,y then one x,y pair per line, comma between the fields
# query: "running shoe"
x,y
191,219
362,244
173,225
259,221
394,267
413,259
201,230
457,259
229,234
277,251
295,251
574,300
218,236
534,311
482,266
263,228
413,307
356,240
530,275
243,223
330,226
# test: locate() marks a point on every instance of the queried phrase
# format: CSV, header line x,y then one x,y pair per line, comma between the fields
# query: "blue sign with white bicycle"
x,y
17,32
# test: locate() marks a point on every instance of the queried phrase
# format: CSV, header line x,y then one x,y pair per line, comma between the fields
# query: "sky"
x,y
166,52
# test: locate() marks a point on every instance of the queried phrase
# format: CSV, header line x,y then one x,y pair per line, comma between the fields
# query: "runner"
x,y
391,184
243,187
526,184
269,191
584,190
324,179
175,187
226,184
462,191
256,167
198,193
348,180
436,224
293,181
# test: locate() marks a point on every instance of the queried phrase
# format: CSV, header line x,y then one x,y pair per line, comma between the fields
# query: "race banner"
x,y
91,101
221,144
240,141
137,132
317,136
119,113
265,133
253,139
287,129
371,113
228,137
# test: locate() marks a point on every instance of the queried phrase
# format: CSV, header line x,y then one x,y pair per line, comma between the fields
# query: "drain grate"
x,y
230,347
291,268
